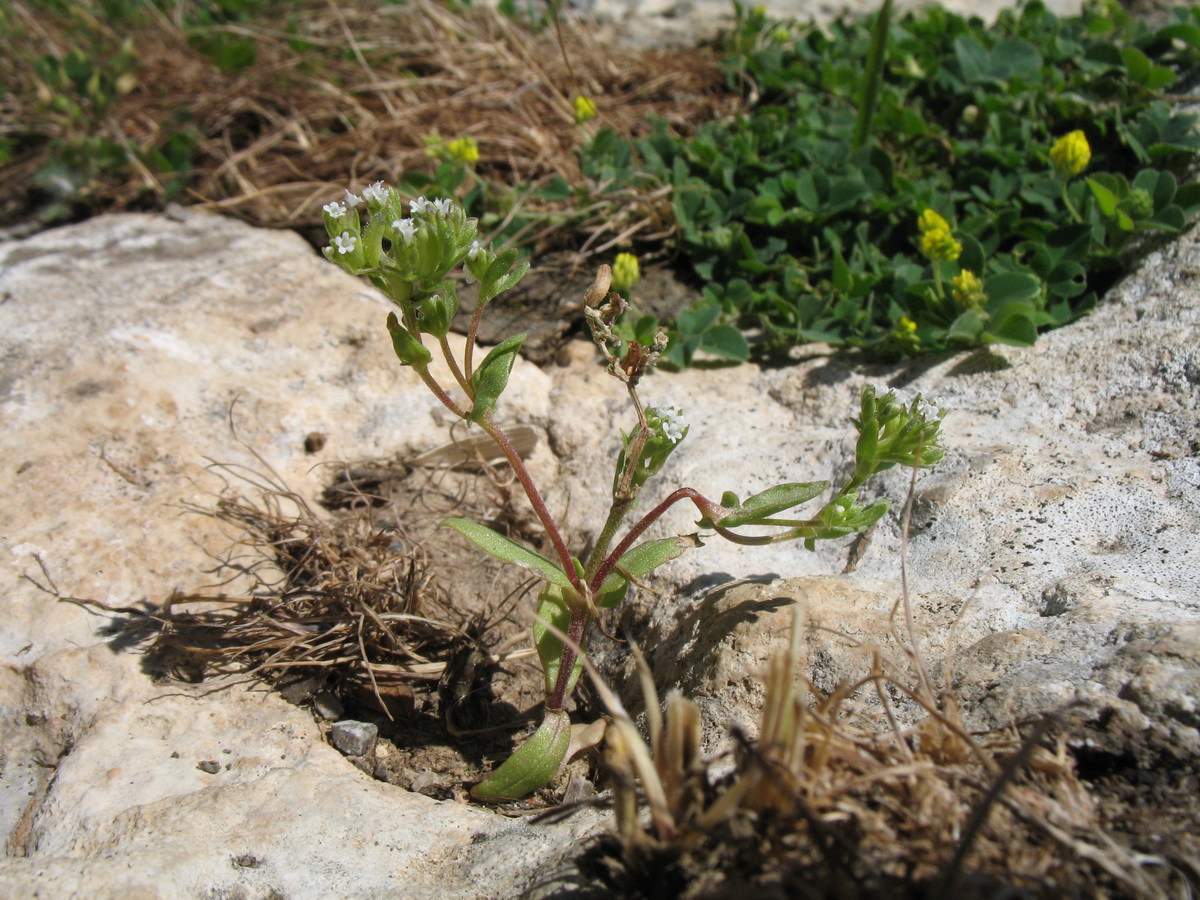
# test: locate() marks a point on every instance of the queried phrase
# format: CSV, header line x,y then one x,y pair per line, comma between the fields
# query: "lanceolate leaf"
x,y
645,558
491,378
534,764
552,609
499,546
771,501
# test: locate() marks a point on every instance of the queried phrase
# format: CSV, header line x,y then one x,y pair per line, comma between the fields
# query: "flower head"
x,y
443,207
335,208
375,193
585,109
967,288
939,245
352,200
625,272
344,242
406,228
474,251
931,221
904,336
1070,154
670,422
419,206
929,409
463,150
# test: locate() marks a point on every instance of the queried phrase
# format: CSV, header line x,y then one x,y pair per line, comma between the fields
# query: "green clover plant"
x,y
410,258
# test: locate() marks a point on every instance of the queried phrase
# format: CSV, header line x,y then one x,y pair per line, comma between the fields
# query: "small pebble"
x,y
355,738
211,766
328,706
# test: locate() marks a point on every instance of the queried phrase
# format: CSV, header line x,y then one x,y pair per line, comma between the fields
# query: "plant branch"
x,y
707,508
468,388
535,500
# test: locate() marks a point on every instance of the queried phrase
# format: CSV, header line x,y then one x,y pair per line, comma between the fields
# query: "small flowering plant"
x,y
410,254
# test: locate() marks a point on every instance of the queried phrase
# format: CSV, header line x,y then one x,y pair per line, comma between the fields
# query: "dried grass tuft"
x,y
278,139
820,807
340,597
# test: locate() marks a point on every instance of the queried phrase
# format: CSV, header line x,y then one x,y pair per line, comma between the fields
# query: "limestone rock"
x,y
138,349
1052,557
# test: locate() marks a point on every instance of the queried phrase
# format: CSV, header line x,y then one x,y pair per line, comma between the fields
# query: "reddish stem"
x,y
706,507
535,500
566,664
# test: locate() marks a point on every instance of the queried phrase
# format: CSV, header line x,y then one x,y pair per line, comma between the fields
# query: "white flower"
x,y
375,193
345,242
352,200
473,253
931,408
335,208
406,228
419,206
443,207
671,418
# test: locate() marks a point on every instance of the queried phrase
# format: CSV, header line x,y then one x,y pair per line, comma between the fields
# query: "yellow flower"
x,y
585,109
967,288
1070,154
904,336
939,245
463,150
625,272
931,221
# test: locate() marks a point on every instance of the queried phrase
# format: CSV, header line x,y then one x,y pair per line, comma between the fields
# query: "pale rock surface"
x,y
1066,510
656,23
126,340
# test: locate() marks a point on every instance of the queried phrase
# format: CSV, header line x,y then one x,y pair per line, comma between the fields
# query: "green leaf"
x,y
552,609
495,544
535,763
1012,286
491,378
1106,200
409,350
1013,324
771,501
643,559
726,342
967,328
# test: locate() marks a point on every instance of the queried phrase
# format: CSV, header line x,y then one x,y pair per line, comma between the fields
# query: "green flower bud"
x,y
625,272
437,311
409,349
891,433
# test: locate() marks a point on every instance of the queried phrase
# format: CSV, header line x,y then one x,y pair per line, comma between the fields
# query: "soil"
x,y
440,737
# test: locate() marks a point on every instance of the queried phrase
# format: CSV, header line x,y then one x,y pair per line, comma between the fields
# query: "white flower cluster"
x,y
376,193
671,419
406,228
421,206
928,408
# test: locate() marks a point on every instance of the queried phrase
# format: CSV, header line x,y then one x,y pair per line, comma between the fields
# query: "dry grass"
x,y
340,597
278,139
820,806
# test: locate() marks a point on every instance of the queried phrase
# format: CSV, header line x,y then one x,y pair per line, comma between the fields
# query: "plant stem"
x,y
566,665
616,514
468,388
1070,206
706,507
535,500
476,318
